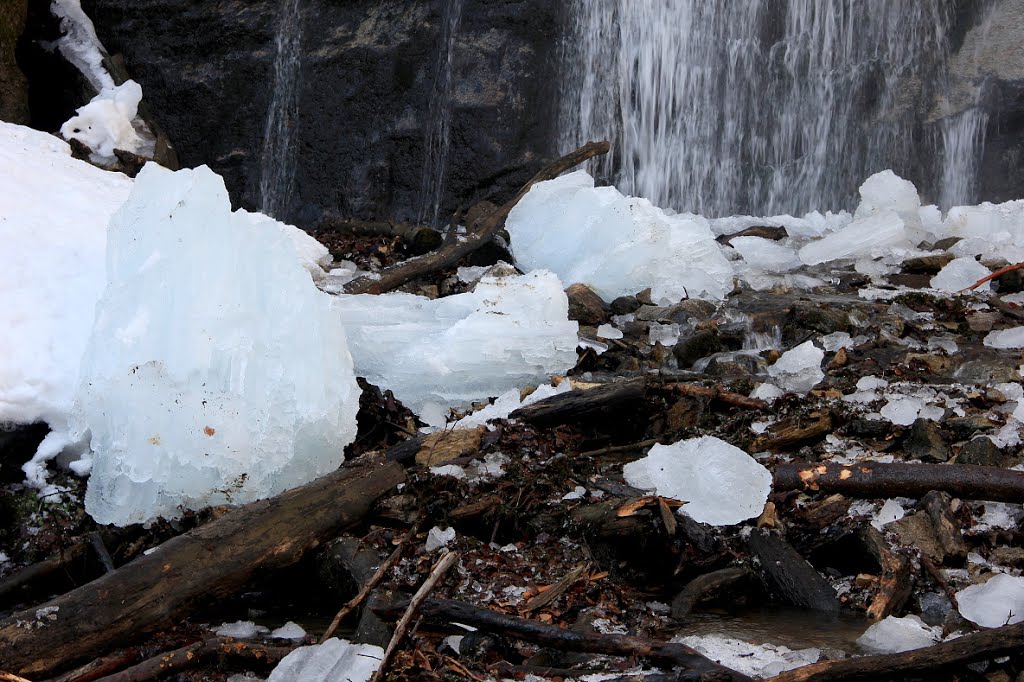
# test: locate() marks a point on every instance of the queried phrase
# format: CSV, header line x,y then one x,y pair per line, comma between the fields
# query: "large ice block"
x,y
999,601
616,244
436,354
216,371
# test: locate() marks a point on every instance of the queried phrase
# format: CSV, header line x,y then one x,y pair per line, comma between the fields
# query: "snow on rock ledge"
x,y
216,371
721,484
616,244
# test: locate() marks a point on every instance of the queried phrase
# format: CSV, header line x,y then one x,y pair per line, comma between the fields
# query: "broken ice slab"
x,y
960,273
799,369
449,352
870,236
989,230
765,254
1005,338
721,484
999,601
617,245
894,635
216,372
336,659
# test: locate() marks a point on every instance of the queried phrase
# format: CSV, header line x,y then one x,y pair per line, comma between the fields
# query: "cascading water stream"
x,y
758,106
278,157
435,158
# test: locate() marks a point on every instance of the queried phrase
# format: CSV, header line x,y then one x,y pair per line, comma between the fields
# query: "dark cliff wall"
x,y
367,74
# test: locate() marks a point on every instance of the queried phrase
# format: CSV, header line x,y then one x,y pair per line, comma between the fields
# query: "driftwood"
x,y
481,231
668,653
209,562
199,653
789,575
588,405
978,646
873,479
894,582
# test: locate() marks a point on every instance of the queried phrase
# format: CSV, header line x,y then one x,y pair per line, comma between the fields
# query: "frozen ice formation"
x,y
242,629
959,274
438,537
721,484
105,123
891,511
616,244
765,254
79,44
507,403
989,230
799,369
336,659
894,635
216,372
289,630
999,601
902,410
760,660
1005,338
436,354
868,236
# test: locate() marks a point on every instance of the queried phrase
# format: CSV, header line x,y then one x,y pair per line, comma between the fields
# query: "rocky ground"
x,y
546,529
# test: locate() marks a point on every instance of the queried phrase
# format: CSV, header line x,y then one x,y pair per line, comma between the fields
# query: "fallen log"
x,y
978,646
212,561
789,575
669,653
198,653
618,400
481,231
874,479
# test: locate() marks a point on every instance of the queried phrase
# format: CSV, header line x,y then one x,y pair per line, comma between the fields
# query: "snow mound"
x,y
894,635
997,602
105,123
721,484
216,372
618,245
335,659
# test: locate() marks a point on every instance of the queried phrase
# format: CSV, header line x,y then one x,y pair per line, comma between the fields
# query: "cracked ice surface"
x,y
232,384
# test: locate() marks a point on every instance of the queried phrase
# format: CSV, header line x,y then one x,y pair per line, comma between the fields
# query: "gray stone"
x,y
924,441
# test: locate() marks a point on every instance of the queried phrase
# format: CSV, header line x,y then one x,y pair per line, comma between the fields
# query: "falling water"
x,y
435,158
277,160
963,136
756,106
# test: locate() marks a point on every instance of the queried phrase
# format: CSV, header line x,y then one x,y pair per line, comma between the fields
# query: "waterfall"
x,y
439,115
963,137
757,106
277,159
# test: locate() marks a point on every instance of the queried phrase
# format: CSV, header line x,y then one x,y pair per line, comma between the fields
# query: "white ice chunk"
x,y
759,660
1005,338
960,273
902,410
438,537
868,236
607,331
894,635
891,511
871,383
988,222
452,351
618,245
722,484
799,369
945,343
577,493
105,123
665,334
289,630
836,340
886,191
765,254
242,629
509,402
767,391
999,601
334,660
216,372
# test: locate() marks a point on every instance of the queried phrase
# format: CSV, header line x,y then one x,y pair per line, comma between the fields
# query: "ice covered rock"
x,y
216,372
799,369
615,244
959,274
765,254
436,354
721,484
105,123
79,43
999,601
894,635
836,340
1005,338
336,659
289,630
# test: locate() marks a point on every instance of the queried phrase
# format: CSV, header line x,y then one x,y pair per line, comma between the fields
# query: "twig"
x,y
440,568
11,677
101,551
479,233
377,576
997,273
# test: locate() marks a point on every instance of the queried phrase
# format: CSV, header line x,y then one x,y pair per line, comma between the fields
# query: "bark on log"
x,y
978,646
569,640
599,403
873,479
209,562
479,233
789,575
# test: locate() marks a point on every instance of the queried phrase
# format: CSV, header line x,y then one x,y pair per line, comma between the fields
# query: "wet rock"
x,y
916,531
685,413
696,308
13,86
1007,556
924,441
872,429
929,265
789,575
983,320
585,306
912,280
651,313
982,451
806,315
763,231
624,305
424,240
985,370
696,346
947,243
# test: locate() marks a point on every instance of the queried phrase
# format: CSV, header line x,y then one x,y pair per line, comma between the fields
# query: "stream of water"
x,y
764,107
278,155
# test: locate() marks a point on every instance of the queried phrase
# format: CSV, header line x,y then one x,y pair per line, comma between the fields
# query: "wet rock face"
x,y
13,88
367,76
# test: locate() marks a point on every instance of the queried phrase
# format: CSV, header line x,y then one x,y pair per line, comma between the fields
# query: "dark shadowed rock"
x,y
585,306
924,441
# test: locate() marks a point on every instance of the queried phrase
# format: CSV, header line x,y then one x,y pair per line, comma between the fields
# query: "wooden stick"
x,y
479,233
977,646
874,479
440,568
997,273
377,576
193,569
